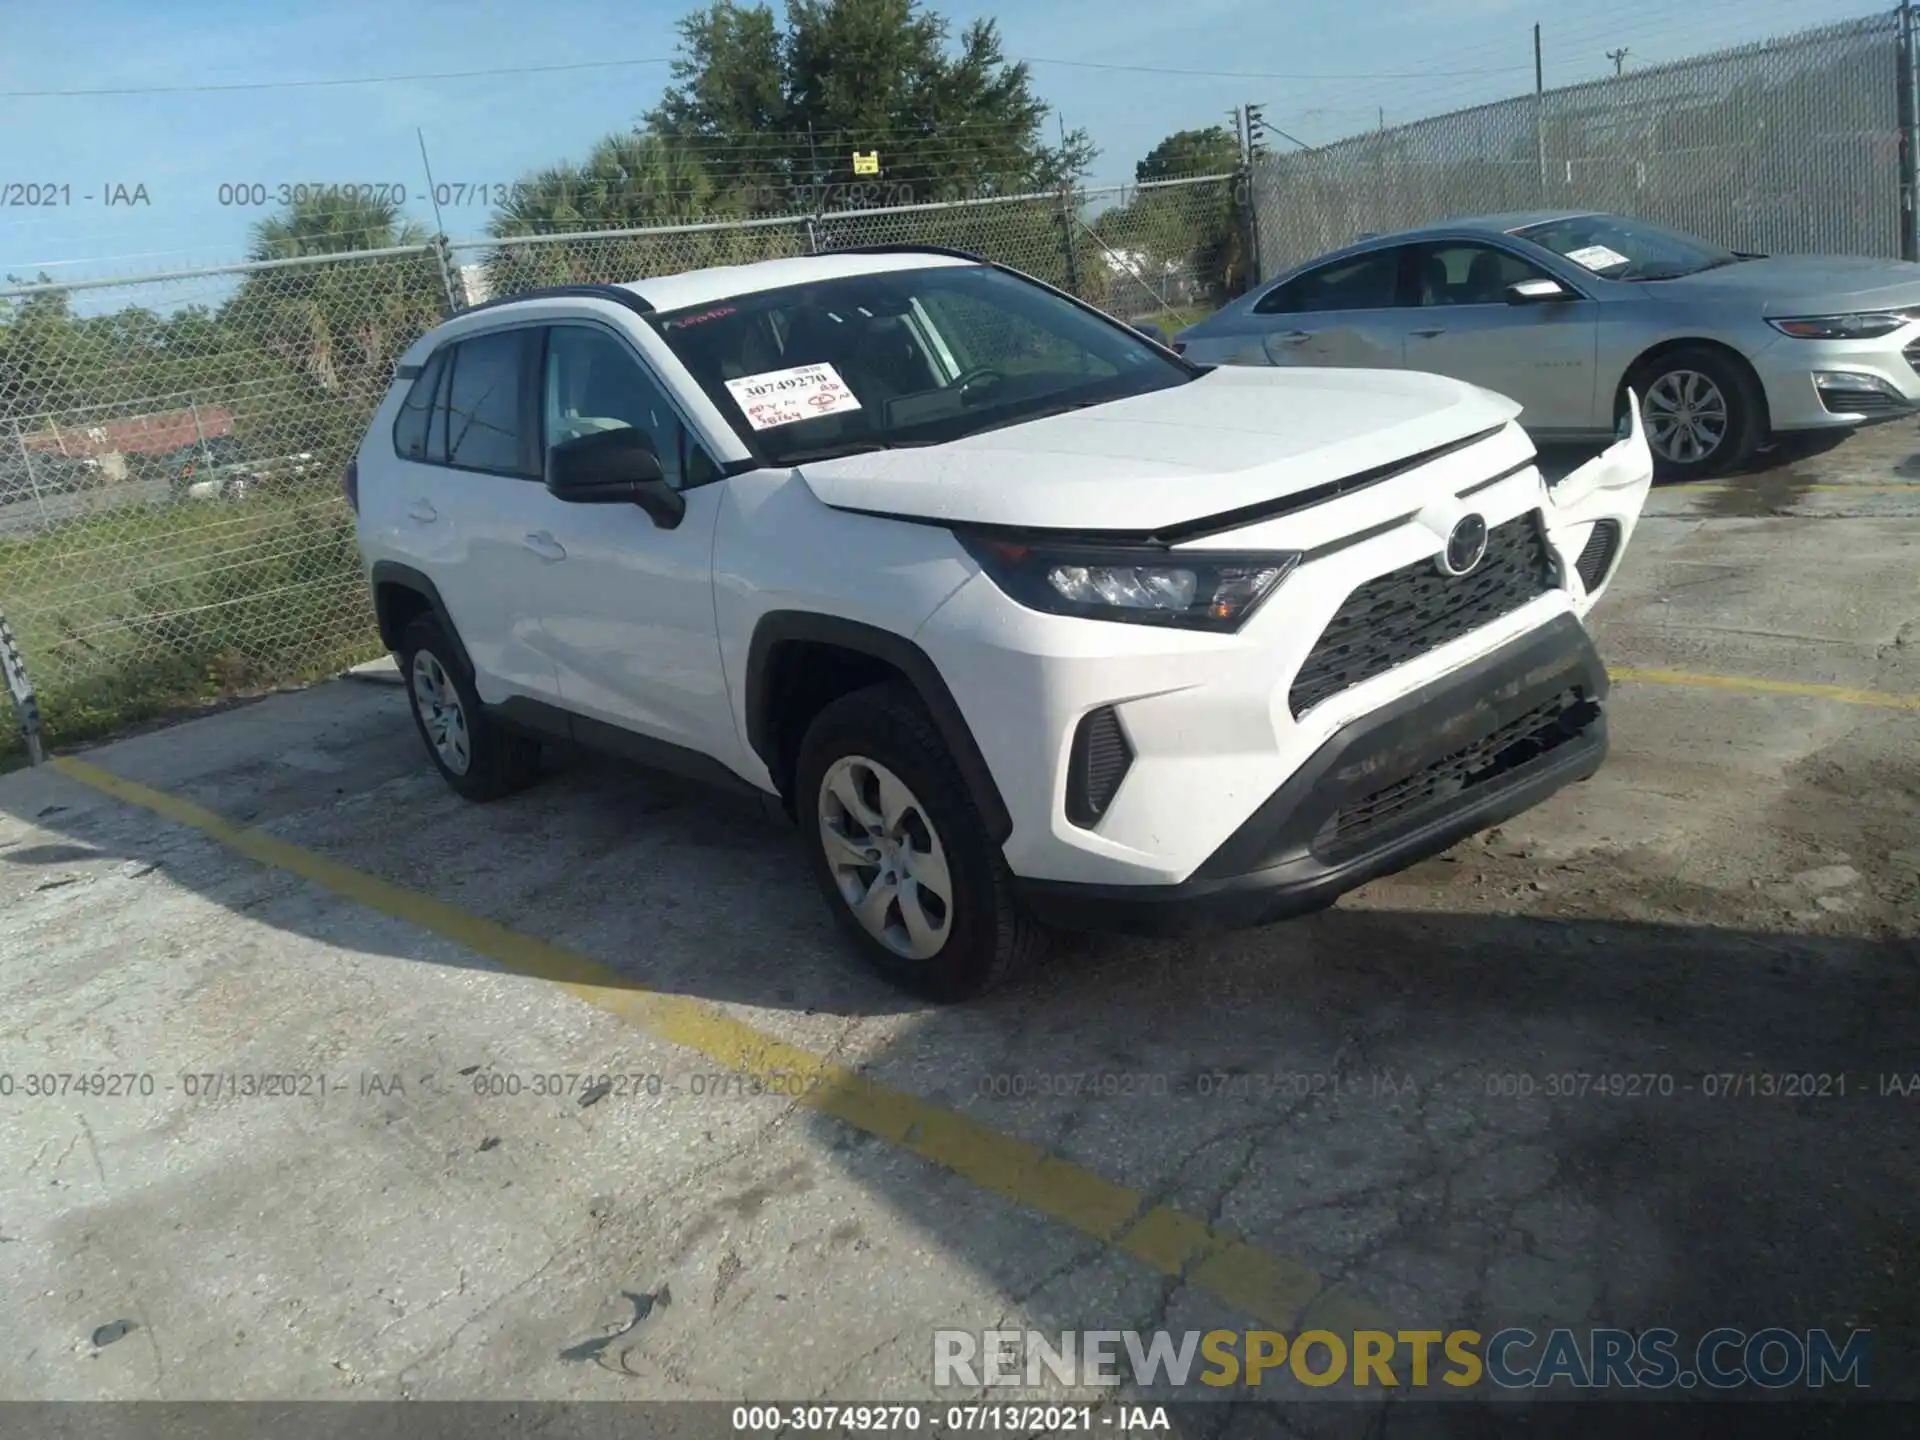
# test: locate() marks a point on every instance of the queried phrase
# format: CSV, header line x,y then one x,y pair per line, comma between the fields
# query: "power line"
x,y
340,80
574,66
1263,74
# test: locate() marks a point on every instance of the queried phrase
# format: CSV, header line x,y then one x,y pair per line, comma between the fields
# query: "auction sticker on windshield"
x,y
786,397
1596,257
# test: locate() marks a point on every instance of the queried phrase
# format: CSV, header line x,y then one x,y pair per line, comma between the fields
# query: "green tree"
x,y
340,323
39,370
629,181
1212,151
779,112
1184,243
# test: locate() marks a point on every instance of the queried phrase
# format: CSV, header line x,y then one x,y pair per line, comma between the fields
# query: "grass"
x,y
1177,319
127,615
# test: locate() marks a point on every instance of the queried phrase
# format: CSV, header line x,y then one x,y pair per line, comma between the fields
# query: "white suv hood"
x,y
1237,436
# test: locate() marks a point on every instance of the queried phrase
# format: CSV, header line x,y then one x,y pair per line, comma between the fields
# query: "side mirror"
x,y
1534,292
614,467
1153,332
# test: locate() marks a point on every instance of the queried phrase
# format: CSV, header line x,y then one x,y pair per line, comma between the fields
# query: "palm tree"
x,y
340,322
632,181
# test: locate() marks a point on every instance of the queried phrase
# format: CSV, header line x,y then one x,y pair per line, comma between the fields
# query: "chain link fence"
x,y
1792,145
172,527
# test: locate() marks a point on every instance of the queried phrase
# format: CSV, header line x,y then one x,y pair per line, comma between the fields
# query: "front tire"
x,y
474,754
1704,413
901,854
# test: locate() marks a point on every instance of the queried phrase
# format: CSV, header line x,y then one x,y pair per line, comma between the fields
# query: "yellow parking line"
x,y
1894,489
1276,1290
1843,693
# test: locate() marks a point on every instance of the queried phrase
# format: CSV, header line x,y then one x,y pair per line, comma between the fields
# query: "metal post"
x,y
1068,248
1909,109
200,435
1540,111
452,282
25,706
33,480
454,286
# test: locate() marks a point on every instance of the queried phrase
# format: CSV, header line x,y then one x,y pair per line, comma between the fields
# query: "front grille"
x,y
1859,402
1401,615
1912,352
1367,823
1596,556
1097,763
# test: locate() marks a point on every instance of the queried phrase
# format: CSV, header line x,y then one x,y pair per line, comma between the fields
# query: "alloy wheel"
x,y
885,856
1686,415
442,715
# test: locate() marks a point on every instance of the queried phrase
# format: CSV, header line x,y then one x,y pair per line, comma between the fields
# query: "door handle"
x,y
423,512
1293,337
1428,334
545,546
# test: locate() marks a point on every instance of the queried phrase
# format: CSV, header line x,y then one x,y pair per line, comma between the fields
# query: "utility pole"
x,y
1256,126
1256,129
1540,112
1619,58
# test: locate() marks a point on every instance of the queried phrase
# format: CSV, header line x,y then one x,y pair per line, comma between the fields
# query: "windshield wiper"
x,y
1045,414
833,452
852,447
1696,270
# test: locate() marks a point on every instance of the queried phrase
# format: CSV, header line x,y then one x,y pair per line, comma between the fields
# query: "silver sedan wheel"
x,y
1686,416
442,715
886,858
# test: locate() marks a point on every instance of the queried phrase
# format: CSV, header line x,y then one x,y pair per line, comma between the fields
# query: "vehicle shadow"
x,y
1466,1115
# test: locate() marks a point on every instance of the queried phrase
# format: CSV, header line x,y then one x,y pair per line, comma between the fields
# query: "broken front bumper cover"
x,y
1405,782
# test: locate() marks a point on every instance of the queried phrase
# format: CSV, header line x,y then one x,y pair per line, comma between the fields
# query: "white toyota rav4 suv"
x,y
1026,620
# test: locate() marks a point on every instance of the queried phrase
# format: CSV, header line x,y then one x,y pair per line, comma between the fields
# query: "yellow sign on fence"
x,y
867,164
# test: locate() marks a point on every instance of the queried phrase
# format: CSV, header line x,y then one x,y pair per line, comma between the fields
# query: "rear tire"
x,y
1704,413
901,854
477,756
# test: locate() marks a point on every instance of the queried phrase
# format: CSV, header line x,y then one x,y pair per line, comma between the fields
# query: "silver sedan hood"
x,y
1801,285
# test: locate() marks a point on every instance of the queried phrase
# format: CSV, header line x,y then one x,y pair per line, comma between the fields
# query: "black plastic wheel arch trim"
x,y
778,627
404,577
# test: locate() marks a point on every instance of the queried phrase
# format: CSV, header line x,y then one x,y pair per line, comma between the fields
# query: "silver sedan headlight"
x,y
1865,326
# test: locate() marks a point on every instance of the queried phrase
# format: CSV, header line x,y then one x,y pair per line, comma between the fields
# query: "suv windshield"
x,y
905,358
1628,249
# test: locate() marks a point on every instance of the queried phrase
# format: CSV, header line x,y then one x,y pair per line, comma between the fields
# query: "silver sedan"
x,y
1566,312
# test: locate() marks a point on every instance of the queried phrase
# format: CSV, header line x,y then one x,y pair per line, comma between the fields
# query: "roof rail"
x,y
905,247
619,294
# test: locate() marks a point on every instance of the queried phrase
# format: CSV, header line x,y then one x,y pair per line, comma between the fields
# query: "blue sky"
x,y
1331,67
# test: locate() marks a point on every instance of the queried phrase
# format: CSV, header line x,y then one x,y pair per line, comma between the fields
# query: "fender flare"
x,y
780,626
405,577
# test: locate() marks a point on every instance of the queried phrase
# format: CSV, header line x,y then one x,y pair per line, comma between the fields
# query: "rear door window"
x,y
1364,282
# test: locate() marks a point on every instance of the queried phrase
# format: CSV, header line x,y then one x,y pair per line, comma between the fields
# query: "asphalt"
x,y
797,1176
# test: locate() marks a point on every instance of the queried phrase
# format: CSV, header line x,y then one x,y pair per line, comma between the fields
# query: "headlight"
x,y
1841,327
1216,591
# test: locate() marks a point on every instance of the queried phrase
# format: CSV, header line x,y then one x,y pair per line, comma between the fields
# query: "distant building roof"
x,y
158,434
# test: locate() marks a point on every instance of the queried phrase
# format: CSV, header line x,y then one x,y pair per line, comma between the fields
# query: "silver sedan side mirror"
x,y
1534,292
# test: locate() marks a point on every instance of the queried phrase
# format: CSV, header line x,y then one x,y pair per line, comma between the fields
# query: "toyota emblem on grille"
x,y
1466,546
